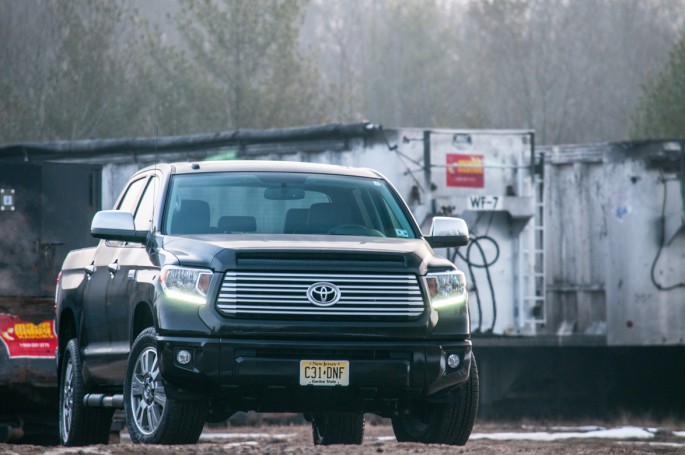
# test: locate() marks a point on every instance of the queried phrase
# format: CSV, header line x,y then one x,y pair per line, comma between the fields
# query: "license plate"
x,y
325,372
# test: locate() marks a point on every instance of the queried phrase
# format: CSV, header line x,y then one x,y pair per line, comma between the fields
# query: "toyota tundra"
x,y
220,287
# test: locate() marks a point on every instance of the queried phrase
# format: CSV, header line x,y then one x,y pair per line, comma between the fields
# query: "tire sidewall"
x,y
406,430
448,423
146,339
71,437
338,428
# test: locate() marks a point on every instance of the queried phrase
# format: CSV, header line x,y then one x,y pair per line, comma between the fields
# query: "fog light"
x,y
453,361
183,357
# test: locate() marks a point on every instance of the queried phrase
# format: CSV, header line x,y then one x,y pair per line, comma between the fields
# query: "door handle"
x,y
113,267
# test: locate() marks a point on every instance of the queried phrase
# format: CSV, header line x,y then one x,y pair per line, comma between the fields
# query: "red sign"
x,y
26,339
465,171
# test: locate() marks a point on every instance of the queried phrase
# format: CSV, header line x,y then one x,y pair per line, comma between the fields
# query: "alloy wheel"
x,y
148,398
68,397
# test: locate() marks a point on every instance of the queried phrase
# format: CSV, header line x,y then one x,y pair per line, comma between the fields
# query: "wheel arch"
x,y
142,319
67,330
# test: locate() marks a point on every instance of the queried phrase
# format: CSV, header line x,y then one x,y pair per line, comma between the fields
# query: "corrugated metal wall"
x,y
596,208
606,211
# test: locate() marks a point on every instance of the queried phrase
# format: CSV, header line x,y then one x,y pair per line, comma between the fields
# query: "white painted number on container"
x,y
483,202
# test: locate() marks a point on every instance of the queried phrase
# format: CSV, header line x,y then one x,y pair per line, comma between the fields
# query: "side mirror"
x,y
116,225
447,232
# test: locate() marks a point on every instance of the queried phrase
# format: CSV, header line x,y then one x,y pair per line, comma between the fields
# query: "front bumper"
x,y
264,375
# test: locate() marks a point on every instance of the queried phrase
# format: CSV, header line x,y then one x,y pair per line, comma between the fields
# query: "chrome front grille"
x,y
283,295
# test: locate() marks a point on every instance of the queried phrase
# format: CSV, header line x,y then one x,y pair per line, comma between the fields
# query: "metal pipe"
x,y
100,400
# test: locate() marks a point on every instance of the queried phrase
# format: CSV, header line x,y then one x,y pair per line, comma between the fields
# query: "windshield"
x,y
284,203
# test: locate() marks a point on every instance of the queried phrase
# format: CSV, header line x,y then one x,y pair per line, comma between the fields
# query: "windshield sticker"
x,y
402,233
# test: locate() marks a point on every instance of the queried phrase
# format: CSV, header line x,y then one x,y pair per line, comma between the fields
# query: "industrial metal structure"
x,y
577,266
45,210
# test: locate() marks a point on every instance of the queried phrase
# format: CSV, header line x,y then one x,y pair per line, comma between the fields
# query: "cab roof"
x,y
263,166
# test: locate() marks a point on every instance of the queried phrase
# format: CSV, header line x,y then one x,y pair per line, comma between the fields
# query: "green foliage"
x,y
661,110
571,70
64,73
86,88
241,68
90,68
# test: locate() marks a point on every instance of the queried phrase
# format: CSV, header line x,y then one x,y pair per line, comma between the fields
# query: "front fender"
x,y
175,317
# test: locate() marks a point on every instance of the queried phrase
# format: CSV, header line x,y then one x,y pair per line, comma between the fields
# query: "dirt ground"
x,y
296,440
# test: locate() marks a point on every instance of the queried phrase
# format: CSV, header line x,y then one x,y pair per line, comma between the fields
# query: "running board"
x,y
100,400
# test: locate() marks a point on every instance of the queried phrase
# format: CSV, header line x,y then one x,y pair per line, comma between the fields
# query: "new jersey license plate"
x,y
325,372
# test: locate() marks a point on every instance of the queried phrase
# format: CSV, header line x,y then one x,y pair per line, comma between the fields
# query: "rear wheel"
x,y
444,423
151,416
338,428
79,425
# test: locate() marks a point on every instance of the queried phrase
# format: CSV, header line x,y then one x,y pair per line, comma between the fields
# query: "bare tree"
x,y
570,70
392,62
333,34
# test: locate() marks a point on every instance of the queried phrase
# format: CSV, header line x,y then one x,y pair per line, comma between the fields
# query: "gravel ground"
x,y
295,440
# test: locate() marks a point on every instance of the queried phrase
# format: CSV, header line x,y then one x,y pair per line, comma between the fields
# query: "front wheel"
x,y
151,416
79,425
338,428
444,423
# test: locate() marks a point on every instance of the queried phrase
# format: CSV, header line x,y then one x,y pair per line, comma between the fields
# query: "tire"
x,y
79,425
151,416
449,423
338,428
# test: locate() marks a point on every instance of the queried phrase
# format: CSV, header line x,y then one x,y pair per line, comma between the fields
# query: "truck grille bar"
x,y
281,295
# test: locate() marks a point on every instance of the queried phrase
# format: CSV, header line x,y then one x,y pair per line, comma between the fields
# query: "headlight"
x,y
446,288
189,285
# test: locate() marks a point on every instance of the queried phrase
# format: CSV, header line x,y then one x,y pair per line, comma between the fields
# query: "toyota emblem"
x,y
323,294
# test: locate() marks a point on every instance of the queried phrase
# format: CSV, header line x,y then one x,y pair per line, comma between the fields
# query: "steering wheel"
x,y
354,229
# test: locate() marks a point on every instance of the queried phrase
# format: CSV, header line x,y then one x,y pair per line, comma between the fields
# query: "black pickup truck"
x,y
220,287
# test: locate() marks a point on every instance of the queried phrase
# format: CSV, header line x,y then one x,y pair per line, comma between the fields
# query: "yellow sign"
x,y
29,331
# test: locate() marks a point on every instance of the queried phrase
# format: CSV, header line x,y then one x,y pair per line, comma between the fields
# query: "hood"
x,y
222,252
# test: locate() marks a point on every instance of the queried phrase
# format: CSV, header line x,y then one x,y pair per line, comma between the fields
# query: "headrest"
x,y
325,216
295,220
191,218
